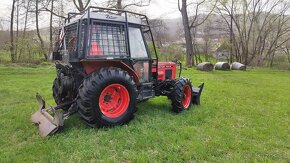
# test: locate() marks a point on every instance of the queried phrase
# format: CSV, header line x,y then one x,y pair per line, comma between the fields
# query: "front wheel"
x,y
107,98
181,95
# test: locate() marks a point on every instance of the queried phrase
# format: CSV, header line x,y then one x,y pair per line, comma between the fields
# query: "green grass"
x,y
244,116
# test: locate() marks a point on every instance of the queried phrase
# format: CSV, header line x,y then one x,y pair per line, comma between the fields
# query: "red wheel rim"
x,y
186,97
114,100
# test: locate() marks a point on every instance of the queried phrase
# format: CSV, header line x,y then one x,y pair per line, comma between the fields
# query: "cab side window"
x,y
137,44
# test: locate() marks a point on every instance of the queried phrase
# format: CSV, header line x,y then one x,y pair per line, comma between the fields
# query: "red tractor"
x,y
104,68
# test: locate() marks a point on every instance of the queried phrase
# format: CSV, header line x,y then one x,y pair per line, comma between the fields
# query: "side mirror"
x,y
56,56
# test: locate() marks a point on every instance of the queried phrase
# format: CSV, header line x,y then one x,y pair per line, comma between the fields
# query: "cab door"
x,y
140,54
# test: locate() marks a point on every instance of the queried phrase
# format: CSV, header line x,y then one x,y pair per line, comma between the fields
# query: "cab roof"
x,y
108,15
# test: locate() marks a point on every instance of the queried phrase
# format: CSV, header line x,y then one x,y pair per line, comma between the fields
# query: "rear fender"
x,y
93,66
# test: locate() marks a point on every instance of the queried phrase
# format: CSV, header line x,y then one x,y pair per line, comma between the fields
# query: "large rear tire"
x,y
107,98
181,95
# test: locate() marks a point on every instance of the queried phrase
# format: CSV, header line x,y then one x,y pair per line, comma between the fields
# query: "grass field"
x,y
244,116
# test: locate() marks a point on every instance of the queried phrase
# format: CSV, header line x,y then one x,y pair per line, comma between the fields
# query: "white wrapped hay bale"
x,y
205,66
222,66
238,66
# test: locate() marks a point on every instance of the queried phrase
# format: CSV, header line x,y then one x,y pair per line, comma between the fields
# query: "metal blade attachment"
x,y
196,93
46,123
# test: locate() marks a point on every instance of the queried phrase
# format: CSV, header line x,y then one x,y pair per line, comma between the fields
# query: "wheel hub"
x,y
107,98
114,100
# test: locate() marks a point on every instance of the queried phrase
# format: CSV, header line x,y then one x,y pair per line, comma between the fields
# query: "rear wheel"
x,y
60,93
181,95
107,98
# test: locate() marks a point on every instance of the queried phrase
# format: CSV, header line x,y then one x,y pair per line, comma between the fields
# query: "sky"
x,y
165,9
157,8
162,8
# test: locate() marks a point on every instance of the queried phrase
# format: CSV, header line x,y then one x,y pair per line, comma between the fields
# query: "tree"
x,y
49,6
51,27
12,44
207,38
191,25
159,29
123,4
81,5
187,32
1,25
286,49
37,30
258,27
26,6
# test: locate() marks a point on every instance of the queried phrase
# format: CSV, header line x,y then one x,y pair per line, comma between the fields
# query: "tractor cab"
x,y
105,36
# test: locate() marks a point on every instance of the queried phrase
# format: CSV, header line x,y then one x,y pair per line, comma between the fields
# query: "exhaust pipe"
x,y
196,93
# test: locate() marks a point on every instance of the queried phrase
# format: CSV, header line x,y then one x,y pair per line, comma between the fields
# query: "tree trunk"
x,y
194,46
81,6
187,34
272,59
119,4
38,32
231,32
24,30
206,51
50,28
288,54
12,45
17,29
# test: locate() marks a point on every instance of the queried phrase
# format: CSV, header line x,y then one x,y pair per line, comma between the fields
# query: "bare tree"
x,y
280,34
286,49
207,38
257,27
159,29
12,44
51,27
287,52
1,25
81,5
17,27
22,40
49,6
190,26
123,4
187,32
42,48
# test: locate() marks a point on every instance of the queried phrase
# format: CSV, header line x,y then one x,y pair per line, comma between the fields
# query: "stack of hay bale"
x,y
222,66
205,66
238,66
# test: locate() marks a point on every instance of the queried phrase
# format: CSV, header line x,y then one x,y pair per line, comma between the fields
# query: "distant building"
x,y
222,54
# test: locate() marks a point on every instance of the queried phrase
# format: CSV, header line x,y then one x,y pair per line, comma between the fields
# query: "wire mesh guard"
x,y
71,38
107,39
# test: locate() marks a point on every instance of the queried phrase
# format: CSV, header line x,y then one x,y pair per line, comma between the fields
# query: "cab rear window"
x,y
107,40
